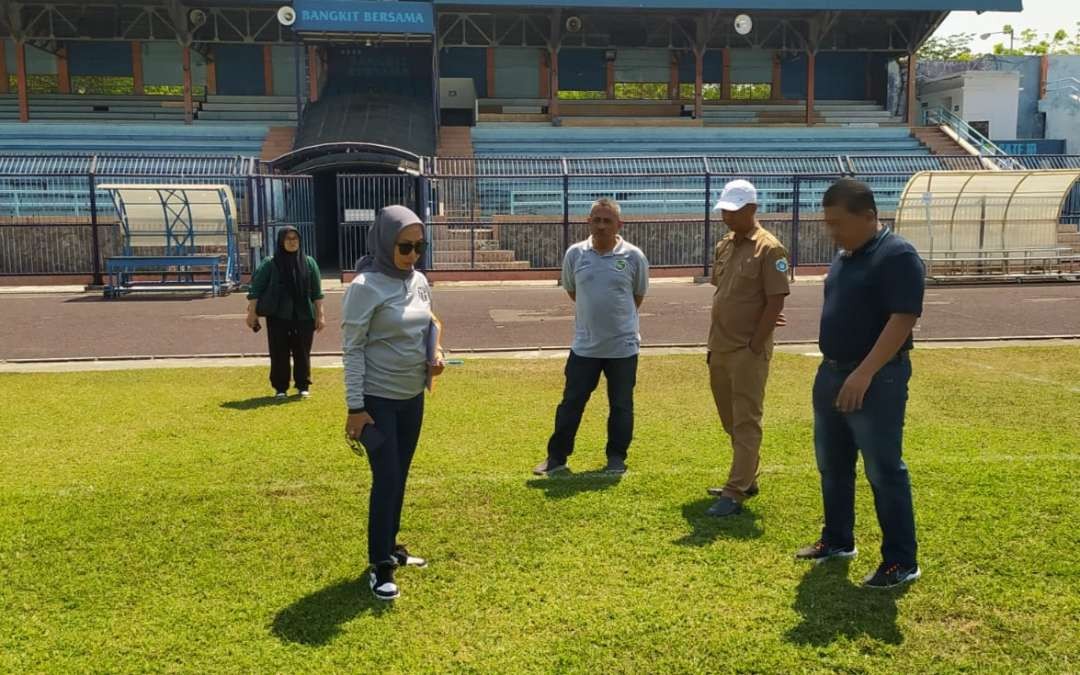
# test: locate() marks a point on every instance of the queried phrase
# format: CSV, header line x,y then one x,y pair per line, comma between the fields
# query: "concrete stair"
x,y
1069,235
278,141
453,249
937,141
455,142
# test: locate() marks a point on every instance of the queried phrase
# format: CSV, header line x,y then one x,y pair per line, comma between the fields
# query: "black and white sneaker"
x,y
616,466
403,559
550,467
891,575
382,583
819,552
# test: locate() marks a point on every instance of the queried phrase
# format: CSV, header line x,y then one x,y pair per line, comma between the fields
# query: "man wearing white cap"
x,y
750,272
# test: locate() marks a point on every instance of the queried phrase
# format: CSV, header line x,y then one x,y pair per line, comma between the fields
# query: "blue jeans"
x,y
582,377
877,430
399,422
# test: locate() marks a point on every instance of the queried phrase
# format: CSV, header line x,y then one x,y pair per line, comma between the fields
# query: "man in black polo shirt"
x,y
873,297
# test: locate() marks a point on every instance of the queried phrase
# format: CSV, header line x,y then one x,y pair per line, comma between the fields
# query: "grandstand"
x,y
345,109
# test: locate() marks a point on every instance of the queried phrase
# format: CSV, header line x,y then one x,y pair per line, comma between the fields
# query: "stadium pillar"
x,y
777,92
489,73
673,77
268,70
189,115
911,116
545,75
725,86
699,82
63,72
553,95
4,86
138,81
20,78
1044,75
211,73
313,73
811,66
609,78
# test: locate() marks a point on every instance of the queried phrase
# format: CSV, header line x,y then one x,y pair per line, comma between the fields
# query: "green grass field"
x,y
177,521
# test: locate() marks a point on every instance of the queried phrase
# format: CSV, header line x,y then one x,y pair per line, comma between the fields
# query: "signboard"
x,y
349,16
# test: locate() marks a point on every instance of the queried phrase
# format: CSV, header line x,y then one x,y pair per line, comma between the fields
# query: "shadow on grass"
x,y
707,529
315,620
567,485
832,606
254,403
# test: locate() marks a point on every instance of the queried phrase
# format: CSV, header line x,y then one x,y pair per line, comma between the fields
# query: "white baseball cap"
x,y
737,194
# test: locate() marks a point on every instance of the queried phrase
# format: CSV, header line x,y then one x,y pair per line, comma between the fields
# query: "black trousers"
x,y
290,338
582,378
399,422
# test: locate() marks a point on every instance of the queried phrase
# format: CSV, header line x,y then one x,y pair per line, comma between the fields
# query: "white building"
x,y
987,100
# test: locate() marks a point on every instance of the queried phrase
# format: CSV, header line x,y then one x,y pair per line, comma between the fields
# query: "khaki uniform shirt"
x,y
746,270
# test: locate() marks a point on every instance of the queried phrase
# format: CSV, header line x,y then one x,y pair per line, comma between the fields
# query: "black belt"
x,y
900,357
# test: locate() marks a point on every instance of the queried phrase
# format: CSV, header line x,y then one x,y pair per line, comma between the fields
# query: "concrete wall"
x,y
976,97
1029,121
1062,104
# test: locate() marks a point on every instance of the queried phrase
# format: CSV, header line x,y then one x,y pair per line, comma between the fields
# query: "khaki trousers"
x,y
738,387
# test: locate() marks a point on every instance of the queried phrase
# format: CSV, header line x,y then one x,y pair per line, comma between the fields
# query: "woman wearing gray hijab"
x,y
386,321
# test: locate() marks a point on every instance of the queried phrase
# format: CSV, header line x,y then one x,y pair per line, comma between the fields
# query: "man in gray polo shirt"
x,y
607,278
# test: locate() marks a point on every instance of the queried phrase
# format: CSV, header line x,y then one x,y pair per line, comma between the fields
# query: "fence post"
x,y
565,207
708,222
95,241
795,224
423,205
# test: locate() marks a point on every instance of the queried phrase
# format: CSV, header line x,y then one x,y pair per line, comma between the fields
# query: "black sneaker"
x,y
403,559
616,466
819,552
550,467
891,575
381,579
725,506
753,491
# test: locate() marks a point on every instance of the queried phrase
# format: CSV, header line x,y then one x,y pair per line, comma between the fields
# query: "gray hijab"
x,y
382,238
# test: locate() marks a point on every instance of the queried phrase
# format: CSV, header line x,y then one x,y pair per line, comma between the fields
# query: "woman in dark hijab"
x,y
287,290
390,353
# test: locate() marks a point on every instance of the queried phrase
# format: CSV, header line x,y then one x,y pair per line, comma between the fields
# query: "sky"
x,y
1044,16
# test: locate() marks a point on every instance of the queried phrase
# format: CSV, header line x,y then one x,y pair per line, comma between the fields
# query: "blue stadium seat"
x,y
131,139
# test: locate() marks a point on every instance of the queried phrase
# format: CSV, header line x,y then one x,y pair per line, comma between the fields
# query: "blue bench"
x,y
122,270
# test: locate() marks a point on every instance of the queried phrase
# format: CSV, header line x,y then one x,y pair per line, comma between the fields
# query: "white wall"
x,y
992,99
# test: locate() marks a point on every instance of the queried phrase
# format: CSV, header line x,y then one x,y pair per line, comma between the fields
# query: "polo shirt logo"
x,y
620,265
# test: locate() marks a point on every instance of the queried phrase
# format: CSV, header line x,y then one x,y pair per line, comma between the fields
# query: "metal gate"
x,y
285,200
360,196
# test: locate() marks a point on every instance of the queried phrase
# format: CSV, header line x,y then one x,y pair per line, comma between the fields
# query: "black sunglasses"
x,y
408,247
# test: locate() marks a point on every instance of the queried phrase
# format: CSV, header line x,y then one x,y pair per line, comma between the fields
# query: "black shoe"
x,y
725,506
819,552
616,466
550,467
753,491
381,579
891,575
403,559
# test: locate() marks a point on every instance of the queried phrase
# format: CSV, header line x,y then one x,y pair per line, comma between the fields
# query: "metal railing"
x,y
939,117
485,213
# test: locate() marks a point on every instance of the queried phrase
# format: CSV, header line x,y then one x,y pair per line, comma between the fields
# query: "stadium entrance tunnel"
x,y
350,183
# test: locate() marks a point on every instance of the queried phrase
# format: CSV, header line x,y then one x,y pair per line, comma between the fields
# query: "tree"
x,y
955,47
1032,44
